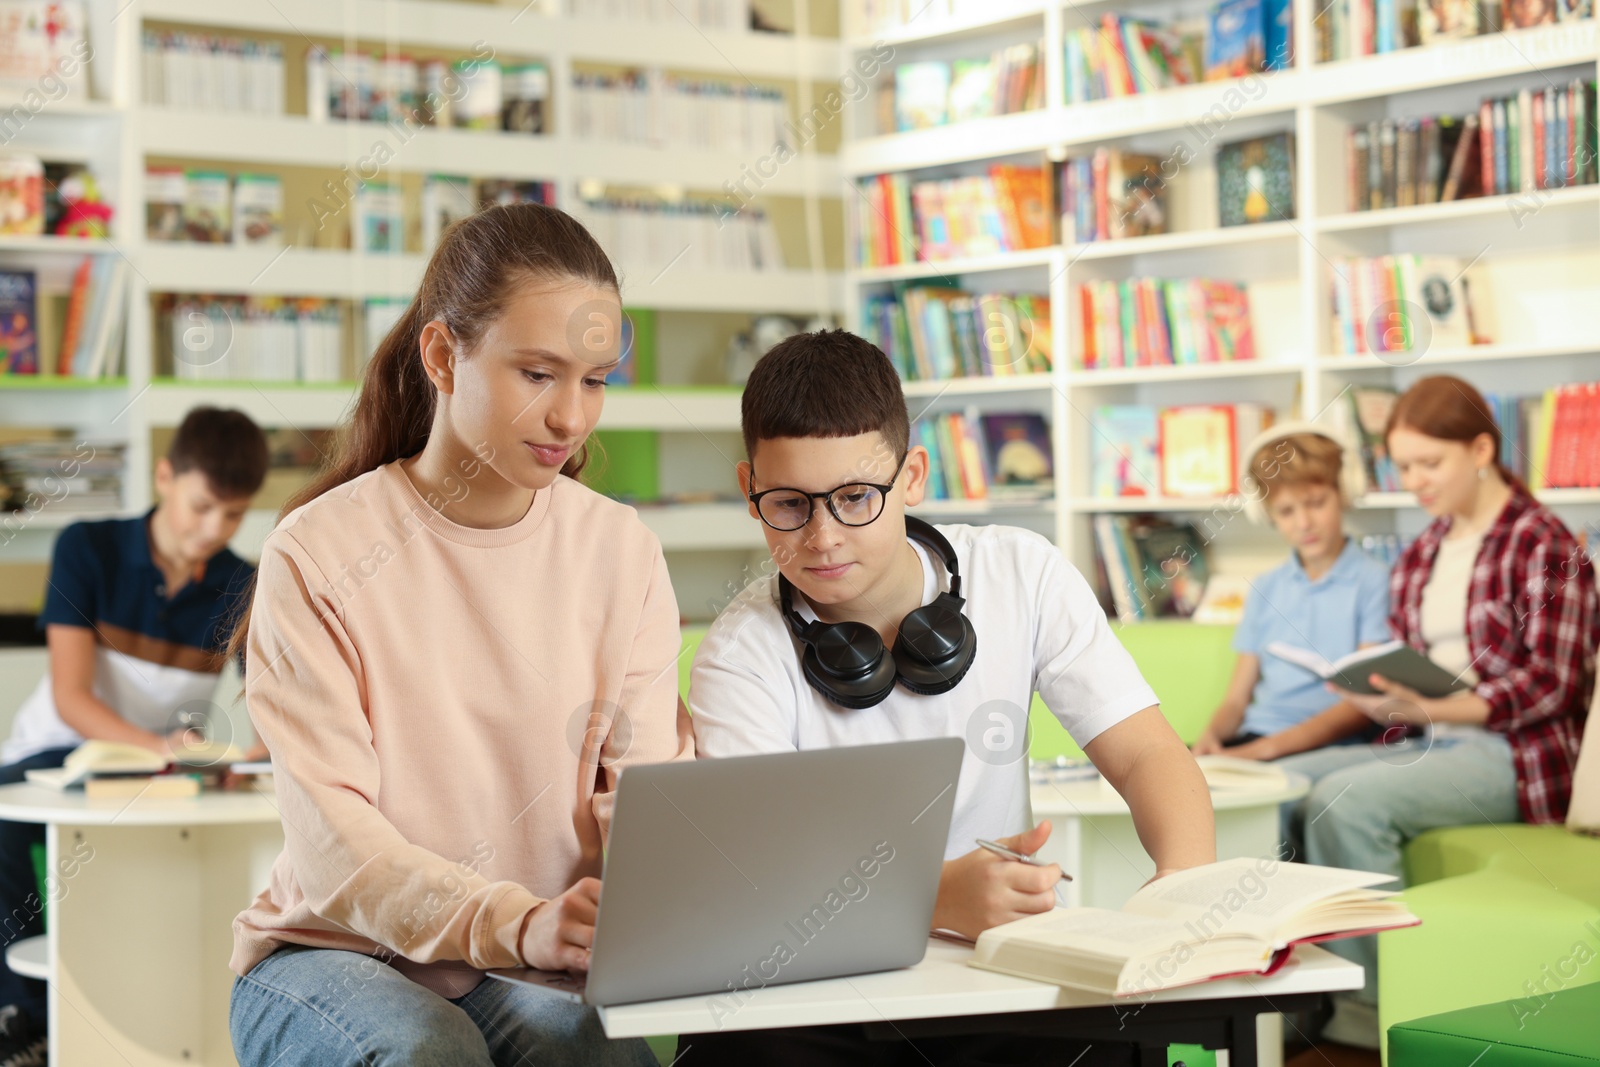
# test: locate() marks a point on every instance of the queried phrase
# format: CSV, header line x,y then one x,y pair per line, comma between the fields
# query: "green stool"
x,y
1554,1028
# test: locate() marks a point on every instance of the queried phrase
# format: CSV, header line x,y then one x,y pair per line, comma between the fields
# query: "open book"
x,y
1394,660
1240,916
113,759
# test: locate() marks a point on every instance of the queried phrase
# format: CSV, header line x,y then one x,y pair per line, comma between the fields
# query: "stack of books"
x,y
997,455
1192,450
704,14
1407,302
686,234
1148,322
666,110
900,221
252,338
933,333
1111,195
212,73
936,92
69,476
1347,29
1151,568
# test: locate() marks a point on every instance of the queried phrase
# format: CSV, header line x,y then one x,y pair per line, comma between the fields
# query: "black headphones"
x,y
846,661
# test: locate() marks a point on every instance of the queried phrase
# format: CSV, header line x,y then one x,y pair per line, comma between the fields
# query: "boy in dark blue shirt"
x,y
136,614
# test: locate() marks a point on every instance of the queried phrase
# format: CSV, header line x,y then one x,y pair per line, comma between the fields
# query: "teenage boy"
x,y
829,476
1328,596
135,615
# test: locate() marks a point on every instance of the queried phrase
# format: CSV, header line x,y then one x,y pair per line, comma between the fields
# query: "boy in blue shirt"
x,y
136,614
1328,597
951,629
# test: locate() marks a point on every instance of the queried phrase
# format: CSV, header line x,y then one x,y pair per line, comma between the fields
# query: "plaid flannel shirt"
x,y
1533,622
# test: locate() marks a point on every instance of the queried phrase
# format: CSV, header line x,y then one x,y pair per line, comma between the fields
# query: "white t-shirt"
x,y
146,694
1444,617
1038,625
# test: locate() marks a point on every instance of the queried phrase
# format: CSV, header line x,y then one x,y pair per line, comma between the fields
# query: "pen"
x,y
1001,850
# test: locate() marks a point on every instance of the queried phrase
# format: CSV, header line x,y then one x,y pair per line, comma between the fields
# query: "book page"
x,y
1363,655
1301,657
1244,896
1097,931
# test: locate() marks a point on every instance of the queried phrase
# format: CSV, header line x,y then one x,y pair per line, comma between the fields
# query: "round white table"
x,y
1093,838
141,897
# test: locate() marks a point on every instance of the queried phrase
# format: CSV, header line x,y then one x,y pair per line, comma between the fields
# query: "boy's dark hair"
x,y
825,384
224,445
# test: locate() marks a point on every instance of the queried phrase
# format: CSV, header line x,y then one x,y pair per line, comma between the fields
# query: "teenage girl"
x,y
454,649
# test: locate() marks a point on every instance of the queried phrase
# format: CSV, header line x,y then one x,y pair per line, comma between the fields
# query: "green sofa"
x,y
1510,913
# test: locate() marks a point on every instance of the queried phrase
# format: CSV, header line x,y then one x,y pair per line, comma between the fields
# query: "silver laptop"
x,y
763,870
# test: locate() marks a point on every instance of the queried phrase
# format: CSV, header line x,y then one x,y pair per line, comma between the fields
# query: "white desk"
x,y
140,920
1093,839
943,987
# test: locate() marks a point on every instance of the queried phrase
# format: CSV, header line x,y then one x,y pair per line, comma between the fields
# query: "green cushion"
x,y
1557,1028
1549,854
1502,906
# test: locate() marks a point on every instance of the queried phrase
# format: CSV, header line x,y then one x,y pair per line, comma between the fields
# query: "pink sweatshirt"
x,y
441,706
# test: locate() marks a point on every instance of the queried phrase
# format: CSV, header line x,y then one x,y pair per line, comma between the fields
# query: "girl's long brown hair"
x,y
1448,408
479,263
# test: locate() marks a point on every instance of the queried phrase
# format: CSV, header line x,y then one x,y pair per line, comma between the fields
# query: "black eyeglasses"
x,y
852,504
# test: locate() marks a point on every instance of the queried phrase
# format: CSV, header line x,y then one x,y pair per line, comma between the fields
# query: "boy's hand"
x,y
560,932
1207,744
981,889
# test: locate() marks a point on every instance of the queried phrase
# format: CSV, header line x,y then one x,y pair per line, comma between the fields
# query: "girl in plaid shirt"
x,y
1497,590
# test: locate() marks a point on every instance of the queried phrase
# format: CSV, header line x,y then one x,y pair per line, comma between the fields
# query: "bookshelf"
x,y
693,420
1539,251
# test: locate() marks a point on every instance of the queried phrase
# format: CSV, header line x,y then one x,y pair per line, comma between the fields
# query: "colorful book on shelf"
x,y
19,317
1199,450
1125,55
1173,568
1004,210
1017,445
955,454
1147,322
1362,419
932,93
1111,195
1235,39
1125,441
935,333
1255,180
921,94
1406,302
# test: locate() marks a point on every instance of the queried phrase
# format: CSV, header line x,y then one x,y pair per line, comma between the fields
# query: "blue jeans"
x,y
21,910
1367,804
312,1007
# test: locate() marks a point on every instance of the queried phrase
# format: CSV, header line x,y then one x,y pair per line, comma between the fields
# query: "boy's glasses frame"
x,y
828,498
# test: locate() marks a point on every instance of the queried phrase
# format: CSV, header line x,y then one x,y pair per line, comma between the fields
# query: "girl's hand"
x,y
1393,705
560,932
1207,744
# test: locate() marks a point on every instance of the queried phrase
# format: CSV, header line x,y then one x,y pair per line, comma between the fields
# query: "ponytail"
x,y
471,276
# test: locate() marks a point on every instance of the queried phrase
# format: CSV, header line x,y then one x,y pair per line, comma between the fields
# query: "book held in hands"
x,y
1394,660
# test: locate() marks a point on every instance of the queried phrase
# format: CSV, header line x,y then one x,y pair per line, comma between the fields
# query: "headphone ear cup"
x,y
847,663
854,694
935,649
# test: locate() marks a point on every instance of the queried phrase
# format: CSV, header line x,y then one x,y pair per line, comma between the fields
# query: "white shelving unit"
x,y
1540,251
116,131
